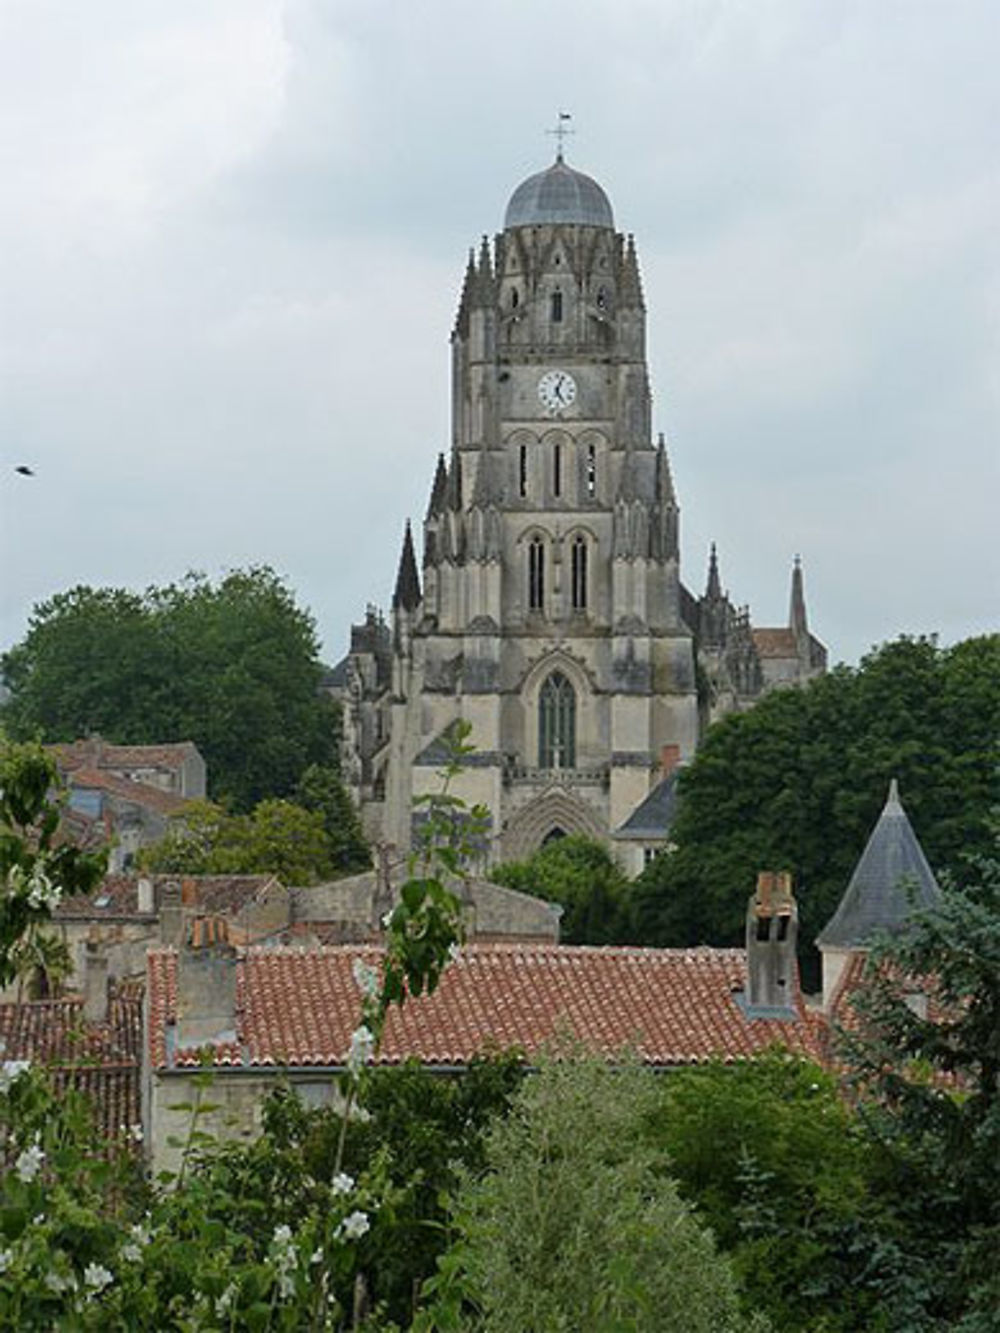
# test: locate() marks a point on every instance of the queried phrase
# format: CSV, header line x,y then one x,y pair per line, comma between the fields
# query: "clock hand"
x,y
557,390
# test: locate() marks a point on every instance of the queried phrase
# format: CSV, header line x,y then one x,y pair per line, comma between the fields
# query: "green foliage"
x,y
777,1166
232,667
929,1089
798,782
34,870
575,1225
583,877
276,838
320,789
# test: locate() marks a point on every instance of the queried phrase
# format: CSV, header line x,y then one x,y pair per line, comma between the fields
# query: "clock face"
x,y
556,390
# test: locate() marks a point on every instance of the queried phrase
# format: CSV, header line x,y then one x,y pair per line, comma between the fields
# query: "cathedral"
x,y
548,609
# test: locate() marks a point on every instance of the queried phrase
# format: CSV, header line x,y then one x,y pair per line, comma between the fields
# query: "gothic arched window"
x,y
536,574
557,723
579,573
557,307
557,469
591,471
522,476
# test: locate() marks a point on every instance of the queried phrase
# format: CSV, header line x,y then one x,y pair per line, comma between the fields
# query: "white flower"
x,y
29,1163
224,1302
5,1259
342,1183
97,1277
366,977
354,1225
131,1253
135,1133
60,1282
362,1045
41,891
282,1234
386,920
11,1071
453,951
317,1256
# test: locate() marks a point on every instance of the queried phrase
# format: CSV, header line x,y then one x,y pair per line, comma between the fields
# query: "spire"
x,y
484,274
797,607
891,881
454,490
630,289
713,588
407,595
664,481
464,300
439,489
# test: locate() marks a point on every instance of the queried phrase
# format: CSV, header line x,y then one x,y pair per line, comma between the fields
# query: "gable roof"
x,y
162,802
212,895
891,881
101,1060
297,1008
653,816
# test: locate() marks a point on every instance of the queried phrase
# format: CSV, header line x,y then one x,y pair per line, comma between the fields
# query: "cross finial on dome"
x,y
561,131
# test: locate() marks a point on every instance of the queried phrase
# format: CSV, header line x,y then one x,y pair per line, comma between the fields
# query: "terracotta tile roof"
x,y
672,1006
774,642
139,793
212,895
100,1059
84,753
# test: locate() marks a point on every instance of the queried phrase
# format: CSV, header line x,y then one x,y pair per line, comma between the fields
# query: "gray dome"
x,y
559,194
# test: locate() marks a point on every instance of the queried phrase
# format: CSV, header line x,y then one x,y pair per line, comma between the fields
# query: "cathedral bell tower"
x,y
548,611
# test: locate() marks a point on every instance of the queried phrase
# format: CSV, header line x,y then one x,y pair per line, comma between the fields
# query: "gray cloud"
x,y
238,233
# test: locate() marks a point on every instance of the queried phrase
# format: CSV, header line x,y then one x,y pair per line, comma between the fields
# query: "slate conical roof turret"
x,y
890,882
407,594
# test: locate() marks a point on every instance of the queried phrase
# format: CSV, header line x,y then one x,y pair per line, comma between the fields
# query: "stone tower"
x,y
550,612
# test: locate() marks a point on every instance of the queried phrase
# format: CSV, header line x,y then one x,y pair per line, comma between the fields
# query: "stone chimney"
x,y
171,915
95,982
206,984
670,758
772,931
144,896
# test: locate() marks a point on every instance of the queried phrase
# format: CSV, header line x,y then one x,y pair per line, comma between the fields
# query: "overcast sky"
x,y
233,232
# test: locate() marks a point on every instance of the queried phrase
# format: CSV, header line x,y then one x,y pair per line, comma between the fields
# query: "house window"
x,y
557,469
579,574
557,723
591,470
536,574
522,483
557,307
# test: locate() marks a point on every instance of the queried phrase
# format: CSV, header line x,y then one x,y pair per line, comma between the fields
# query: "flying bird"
x,y
24,471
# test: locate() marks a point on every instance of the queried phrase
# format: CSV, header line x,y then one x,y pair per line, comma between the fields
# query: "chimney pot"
x,y
95,983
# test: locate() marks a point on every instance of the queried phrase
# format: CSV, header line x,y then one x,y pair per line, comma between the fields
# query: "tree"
x,y
35,869
276,838
580,874
575,1224
798,782
778,1166
927,1075
321,790
232,667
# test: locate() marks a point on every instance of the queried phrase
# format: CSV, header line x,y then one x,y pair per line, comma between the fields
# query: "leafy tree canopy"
x,y
798,783
231,666
276,838
580,874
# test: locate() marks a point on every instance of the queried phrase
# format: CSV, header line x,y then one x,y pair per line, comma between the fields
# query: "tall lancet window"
x,y
579,573
522,471
556,306
557,469
557,723
591,471
536,574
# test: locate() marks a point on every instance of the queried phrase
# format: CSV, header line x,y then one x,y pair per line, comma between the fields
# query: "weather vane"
x,y
561,131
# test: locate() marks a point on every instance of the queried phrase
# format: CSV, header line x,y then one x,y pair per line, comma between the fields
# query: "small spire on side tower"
x,y
797,621
439,489
664,481
407,596
713,588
